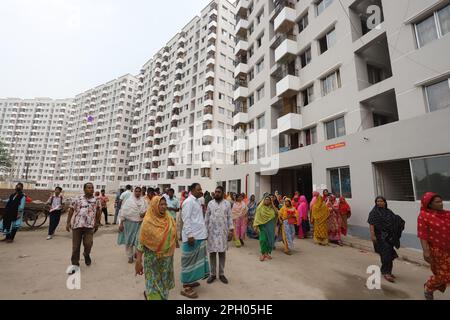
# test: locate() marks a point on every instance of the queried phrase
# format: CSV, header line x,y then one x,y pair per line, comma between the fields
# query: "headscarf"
x,y
239,209
344,207
264,214
313,201
320,211
285,211
426,200
303,209
295,200
158,232
133,208
183,197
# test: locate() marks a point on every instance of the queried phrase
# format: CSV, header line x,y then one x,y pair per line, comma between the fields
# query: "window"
x,y
327,41
438,95
307,96
305,57
432,173
331,83
303,23
259,41
260,93
341,182
311,136
260,66
251,100
394,181
433,27
261,122
260,17
335,128
375,74
322,5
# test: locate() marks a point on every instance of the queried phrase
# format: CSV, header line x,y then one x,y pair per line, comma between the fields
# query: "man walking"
x,y
84,218
219,223
194,259
173,205
117,205
104,203
12,219
56,205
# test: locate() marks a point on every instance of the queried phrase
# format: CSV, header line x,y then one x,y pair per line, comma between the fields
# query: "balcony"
x,y
207,103
205,164
212,37
240,92
211,49
286,50
240,145
176,117
154,98
241,68
241,27
239,118
173,155
285,20
212,25
208,133
241,47
242,6
208,117
209,88
180,61
290,123
288,86
181,51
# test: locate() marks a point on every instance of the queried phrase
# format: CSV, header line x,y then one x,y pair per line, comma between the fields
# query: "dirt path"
x,y
33,268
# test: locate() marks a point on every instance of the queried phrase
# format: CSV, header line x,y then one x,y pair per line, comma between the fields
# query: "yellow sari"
x,y
319,218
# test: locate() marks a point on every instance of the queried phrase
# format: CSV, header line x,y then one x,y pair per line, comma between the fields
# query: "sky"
x,y
60,48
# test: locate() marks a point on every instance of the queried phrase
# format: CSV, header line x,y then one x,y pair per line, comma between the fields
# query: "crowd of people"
x,y
153,223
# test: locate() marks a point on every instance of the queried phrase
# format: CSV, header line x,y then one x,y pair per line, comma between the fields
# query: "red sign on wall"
x,y
336,146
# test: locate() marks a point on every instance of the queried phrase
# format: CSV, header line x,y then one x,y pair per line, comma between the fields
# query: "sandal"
x,y
268,257
262,258
389,278
188,292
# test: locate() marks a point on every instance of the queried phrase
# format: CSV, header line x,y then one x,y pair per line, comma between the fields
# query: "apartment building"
x,y
98,137
182,125
33,131
349,95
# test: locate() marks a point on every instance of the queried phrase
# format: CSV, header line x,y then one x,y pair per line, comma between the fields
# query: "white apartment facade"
x,y
182,126
97,141
353,96
33,131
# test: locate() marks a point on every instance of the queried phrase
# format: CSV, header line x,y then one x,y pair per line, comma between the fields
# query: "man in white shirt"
x,y
194,259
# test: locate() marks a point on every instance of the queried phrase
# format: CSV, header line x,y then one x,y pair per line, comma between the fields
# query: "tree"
x,y
6,161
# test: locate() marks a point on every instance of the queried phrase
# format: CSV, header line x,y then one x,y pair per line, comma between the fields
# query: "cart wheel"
x,y
40,219
30,219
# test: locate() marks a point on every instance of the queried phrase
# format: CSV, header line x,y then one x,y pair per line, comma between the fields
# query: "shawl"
x,y
388,225
264,214
158,232
239,210
133,208
288,212
320,211
313,201
432,225
303,208
344,207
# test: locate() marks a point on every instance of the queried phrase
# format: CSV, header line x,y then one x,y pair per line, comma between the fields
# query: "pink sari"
x,y
303,215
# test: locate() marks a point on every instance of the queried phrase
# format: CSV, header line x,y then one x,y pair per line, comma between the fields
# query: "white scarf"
x,y
133,208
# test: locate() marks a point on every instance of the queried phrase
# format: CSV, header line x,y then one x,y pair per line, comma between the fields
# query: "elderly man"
x,y
219,223
194,259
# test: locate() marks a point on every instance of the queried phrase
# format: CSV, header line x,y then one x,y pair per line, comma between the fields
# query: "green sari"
x,y
265,221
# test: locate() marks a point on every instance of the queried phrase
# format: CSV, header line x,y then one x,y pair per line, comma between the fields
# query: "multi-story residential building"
x,y
185,105
97,142
349,95
33,131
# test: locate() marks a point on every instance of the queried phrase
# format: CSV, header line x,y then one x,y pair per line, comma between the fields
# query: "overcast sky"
x,y
60,48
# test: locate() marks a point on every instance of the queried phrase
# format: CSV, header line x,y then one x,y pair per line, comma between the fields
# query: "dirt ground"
x,y
34,268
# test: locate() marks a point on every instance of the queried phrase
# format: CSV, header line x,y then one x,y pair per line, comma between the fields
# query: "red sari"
x,y
334,220
434,227
346,213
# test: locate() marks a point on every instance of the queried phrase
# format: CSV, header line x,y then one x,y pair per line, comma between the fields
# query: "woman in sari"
x,y
433,232
130,216
385,229
346,213
288,218
156,248
303,220
334,221
239,213
319,217
251,217
264,224
314,199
